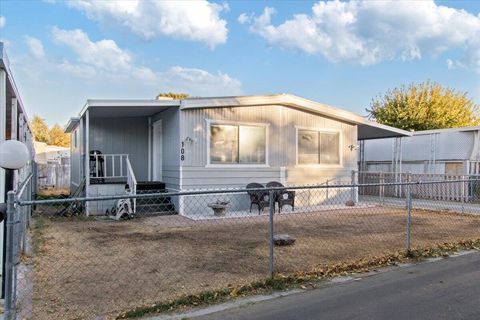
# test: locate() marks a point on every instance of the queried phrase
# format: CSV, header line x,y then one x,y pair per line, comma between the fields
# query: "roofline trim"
x,y
458,129
71,124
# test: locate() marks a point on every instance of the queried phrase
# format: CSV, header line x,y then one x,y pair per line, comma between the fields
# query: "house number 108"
x,y
182,152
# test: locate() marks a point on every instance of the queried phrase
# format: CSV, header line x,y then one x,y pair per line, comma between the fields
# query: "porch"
x,y
121,153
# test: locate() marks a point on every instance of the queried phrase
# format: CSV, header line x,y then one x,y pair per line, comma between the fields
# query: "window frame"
x,y
320,130
266,126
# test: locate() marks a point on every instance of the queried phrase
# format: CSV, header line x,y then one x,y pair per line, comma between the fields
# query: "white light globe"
x,y
13,154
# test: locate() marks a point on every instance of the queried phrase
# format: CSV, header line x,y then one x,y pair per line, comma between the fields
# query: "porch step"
x,y
153,200
156,205
157,186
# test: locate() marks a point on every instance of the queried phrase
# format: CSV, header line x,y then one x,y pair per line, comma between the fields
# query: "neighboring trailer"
x,y
14,125
446,151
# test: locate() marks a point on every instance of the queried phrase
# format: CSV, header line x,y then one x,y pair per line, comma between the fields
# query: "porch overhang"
x,y
366,129
126,108
372,130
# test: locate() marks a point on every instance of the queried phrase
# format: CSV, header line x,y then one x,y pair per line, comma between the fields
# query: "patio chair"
x,y
96,166
282,197
259,198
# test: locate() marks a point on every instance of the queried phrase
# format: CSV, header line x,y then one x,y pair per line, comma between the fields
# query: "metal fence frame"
x,y
19,210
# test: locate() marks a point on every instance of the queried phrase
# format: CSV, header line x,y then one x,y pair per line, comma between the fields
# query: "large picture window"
x,y
318,147
237,144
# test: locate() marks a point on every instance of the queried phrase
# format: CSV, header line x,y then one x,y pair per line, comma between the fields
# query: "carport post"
x,y
10,259
270,232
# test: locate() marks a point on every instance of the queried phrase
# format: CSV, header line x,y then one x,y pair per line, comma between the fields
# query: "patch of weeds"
x,y
59,218
38,232
282,282
52,196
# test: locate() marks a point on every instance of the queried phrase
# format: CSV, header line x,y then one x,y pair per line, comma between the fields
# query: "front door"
x,y
157,151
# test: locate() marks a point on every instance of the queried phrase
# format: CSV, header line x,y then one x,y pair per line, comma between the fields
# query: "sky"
x,y
338,53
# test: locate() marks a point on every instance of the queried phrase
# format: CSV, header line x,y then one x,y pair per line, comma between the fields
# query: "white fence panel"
x,y
52,175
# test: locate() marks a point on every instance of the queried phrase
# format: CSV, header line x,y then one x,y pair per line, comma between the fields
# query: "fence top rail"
x,y
418,174
233,190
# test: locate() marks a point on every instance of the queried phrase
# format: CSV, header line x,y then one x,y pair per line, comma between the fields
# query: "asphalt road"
x,y
445,289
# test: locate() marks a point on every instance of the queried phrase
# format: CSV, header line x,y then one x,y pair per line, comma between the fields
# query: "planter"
x,y
219,208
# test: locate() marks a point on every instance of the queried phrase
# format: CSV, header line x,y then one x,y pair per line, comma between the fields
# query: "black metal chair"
x,y
96,167
258,197
282,197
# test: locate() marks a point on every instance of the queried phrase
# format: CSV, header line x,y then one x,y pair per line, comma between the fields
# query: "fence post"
x,y
270,233
326,191
353,187
409,214
10,258
463,194
382,187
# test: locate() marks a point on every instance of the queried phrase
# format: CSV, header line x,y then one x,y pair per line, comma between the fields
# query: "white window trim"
x,y
319,165
210,122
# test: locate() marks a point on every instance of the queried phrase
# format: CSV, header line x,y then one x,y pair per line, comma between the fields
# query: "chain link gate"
x,y
205,243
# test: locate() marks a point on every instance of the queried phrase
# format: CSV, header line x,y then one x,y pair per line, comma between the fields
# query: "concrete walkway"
x,y
470,208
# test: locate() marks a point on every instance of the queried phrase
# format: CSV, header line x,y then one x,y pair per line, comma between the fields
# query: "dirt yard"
x,y
87,269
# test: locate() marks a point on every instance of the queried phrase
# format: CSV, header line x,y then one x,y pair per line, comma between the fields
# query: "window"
x,y
318,147
237,144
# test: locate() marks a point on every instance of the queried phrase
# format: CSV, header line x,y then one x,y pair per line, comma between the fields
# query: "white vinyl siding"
x,y
281,125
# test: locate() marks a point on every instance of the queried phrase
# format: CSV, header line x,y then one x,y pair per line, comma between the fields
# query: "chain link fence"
x,y
151,248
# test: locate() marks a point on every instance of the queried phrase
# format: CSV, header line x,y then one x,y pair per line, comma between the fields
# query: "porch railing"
x,y
108,166
132,184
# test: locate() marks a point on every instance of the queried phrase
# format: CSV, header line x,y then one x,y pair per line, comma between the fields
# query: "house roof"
x,y
71,124
366,129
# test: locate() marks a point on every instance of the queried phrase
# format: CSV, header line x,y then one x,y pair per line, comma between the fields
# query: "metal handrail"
x,y
109,158
132,184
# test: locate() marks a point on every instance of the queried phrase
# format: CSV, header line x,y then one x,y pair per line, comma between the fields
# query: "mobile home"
x,y
214,142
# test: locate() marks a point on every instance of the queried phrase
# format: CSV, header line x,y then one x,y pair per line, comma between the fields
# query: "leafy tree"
x,y
40,129
424,106
57,137
54,136
173,95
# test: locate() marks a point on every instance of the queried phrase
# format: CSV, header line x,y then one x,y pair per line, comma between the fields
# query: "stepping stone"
x,y
283,240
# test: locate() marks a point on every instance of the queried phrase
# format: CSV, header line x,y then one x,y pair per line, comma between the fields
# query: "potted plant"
x,y
219,207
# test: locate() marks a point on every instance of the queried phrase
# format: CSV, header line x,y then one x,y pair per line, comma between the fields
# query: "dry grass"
x,y
88,268
54,192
